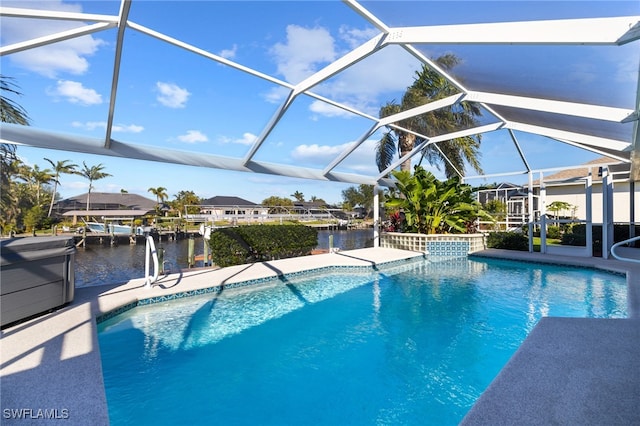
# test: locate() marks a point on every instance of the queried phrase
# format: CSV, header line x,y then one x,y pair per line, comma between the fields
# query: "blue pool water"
x,y
413,344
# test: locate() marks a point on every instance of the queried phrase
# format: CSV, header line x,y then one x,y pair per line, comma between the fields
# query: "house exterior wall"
x,y
248,213
575,195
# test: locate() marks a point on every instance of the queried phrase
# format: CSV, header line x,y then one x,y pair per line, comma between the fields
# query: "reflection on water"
x,y
104,264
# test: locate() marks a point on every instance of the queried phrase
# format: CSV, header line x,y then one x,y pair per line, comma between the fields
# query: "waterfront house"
x,y
231,209
104,201
568,186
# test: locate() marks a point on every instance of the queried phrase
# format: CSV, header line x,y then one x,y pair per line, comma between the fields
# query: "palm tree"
x,y
186,201
10,112
10,207
160,193
92,173
38,178
430,86
59,168
299,196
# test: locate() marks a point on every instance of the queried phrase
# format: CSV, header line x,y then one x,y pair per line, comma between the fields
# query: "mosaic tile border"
x,y
424,242
280,277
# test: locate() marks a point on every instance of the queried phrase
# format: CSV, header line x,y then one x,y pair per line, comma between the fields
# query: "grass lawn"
x,y
550,241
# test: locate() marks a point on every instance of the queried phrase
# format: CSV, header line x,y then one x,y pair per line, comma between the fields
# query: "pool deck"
x,y
568,371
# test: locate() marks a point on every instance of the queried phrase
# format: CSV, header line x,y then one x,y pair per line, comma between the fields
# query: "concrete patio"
x,y
568,371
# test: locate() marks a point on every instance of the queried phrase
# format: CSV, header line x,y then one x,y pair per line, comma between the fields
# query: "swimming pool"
x,y
410,344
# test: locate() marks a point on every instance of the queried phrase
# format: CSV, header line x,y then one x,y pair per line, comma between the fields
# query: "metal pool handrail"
x,y
150,252
617,256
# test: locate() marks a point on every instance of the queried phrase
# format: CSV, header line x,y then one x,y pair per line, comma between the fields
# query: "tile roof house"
x,y
569,186
231,209
105,201
222,200
578,173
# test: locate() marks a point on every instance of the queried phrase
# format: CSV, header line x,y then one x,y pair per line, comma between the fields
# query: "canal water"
x,y
105,264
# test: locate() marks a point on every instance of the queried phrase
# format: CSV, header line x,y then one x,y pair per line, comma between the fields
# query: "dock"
x,y
104,238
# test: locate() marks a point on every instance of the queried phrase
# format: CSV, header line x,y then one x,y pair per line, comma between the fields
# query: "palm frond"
x,y
385,150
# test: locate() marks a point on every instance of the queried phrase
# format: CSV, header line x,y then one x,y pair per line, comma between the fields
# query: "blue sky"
x,y
174,99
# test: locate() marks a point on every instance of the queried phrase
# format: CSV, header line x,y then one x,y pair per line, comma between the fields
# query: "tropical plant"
x,y
558,206
277,204
361,196
160,193
299,196
59,167
92,173
427,87
33,218
10,111
38,178
186,201
497,209
13,192
431,206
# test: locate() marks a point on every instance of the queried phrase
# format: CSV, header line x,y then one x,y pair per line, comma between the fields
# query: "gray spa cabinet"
x,y
36,276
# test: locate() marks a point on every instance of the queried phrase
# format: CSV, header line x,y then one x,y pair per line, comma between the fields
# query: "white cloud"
x,y
127,128
303,52
51,60
171,95
354,37
75,93
276,95
361,160
90,125
193,136
229,53
373,81
315,153
121,128
246,139
365,85
328,110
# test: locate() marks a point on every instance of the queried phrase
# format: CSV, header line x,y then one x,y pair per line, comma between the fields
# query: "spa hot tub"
x,y
36,276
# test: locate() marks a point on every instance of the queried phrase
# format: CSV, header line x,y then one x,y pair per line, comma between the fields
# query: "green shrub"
x,y
228,249
578,236
270,242
553,232
256,243
573,239
508,241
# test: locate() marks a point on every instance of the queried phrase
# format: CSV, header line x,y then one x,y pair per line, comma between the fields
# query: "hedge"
x,y
508,241
257,243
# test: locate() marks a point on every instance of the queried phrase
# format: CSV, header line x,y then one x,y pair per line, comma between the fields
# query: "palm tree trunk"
x,y
89,197
53,197
406,142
